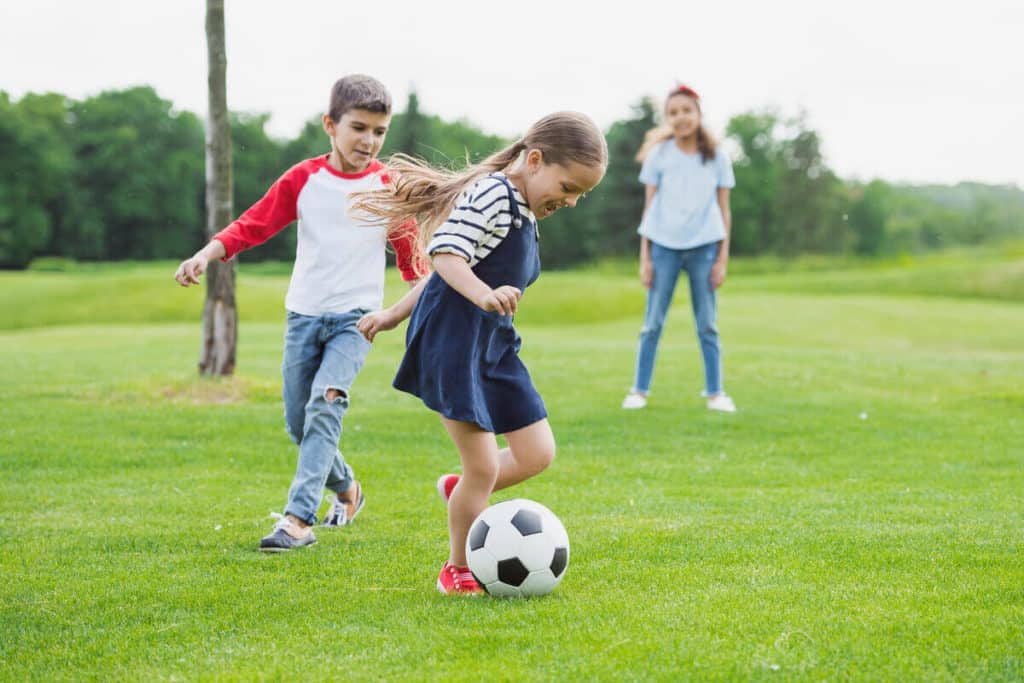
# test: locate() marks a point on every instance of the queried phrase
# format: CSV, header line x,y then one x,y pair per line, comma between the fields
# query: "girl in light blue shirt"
x,y
685,227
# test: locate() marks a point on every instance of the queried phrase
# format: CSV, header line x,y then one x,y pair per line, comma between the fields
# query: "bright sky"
x,y
904,90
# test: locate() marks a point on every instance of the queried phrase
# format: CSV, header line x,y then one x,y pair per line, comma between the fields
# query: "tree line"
x,y
120,175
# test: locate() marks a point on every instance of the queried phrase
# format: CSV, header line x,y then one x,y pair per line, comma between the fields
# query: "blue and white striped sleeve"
x,y
479,222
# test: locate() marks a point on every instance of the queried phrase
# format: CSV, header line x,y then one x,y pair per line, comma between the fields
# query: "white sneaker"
x,y
633,401
723,403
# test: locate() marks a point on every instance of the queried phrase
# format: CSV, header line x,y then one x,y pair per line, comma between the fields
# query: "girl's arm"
x,y
646,267
718,270
456,272
388,319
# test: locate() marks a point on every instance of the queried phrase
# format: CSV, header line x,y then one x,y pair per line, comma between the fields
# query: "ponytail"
x,y
418,190
428,194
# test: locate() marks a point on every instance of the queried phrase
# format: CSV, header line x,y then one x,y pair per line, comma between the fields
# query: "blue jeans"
x,y
320,353
667,264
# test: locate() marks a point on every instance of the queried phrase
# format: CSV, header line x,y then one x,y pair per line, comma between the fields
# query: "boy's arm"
x,y
261,221
403,241
268,216
190,269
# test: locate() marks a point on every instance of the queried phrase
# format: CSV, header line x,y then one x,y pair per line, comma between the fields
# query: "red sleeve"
x,y
267,217
403,240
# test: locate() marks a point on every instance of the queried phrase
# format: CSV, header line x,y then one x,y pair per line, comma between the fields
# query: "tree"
x,y
786,198
408,135
220,315
605,222
36,165
257,161
758,174
139,173
867,217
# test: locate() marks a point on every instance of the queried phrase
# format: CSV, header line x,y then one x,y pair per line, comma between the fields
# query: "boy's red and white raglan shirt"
x,y
339,259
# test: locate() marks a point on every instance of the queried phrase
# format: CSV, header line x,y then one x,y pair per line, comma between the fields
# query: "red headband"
x,y
684,90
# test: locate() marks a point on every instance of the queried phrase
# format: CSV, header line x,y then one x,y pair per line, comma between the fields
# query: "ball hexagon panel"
x,y
538,583
536,552
483,565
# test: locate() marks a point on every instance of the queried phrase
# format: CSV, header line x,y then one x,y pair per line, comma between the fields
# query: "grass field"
x,y
860,518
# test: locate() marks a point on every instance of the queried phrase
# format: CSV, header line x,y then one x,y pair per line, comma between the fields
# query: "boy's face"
x,y
356,138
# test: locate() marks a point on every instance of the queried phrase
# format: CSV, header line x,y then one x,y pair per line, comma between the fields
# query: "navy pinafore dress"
x,y
462,361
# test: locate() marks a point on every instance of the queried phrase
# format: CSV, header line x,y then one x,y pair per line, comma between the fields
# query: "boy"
x,y
338,277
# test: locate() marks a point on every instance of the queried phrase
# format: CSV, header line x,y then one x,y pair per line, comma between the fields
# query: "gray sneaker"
x,y
344,510
279,540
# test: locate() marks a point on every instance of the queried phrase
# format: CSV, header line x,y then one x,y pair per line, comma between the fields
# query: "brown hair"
x,y
429,194
706,144
358,92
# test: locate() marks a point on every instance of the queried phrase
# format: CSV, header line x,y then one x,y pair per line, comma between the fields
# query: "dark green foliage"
x,y
121,176
139,172
258,161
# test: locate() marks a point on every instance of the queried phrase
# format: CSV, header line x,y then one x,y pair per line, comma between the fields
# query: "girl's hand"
x,y
378,321
504,300
189,271
717,274
646,273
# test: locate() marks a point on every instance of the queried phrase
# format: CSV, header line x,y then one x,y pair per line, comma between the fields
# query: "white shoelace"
x,y
282,521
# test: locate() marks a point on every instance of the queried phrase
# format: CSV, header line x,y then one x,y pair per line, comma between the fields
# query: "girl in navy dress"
x,y
478,227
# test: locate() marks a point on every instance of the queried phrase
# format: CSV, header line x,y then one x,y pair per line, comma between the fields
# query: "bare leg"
x,y
531,449
485,469
478,451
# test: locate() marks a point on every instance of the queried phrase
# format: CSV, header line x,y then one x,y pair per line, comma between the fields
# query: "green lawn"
x,y
861,517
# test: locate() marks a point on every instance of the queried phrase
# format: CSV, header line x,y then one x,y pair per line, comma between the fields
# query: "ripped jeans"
x,y
320,353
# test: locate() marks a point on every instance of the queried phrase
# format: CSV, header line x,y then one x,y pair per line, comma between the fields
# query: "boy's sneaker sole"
x,y
280,541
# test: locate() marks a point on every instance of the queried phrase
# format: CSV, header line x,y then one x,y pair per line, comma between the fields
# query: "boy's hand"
x,y
504,300
378,321
190,269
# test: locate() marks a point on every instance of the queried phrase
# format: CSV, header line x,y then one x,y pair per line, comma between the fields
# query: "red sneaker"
x,y
457,581
446,484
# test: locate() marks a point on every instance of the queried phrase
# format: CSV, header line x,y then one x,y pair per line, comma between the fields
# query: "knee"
x,y
547,457
324,413
651,330
482,470
541,458
707,330
334,395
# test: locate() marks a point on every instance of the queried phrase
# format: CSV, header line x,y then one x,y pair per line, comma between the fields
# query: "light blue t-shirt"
x,y
684,212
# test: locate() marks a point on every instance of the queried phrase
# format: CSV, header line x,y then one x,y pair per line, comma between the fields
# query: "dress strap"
x,y
517,217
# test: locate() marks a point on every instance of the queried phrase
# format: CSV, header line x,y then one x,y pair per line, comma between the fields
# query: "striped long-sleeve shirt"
x,y
479,222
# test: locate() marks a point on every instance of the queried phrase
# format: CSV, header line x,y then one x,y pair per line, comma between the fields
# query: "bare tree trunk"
x,y
220,316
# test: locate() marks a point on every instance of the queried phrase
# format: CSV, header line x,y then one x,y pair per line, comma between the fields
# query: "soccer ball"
x,y
517,548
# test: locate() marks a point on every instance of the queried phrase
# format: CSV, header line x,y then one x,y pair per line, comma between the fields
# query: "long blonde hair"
x,y
706,144
428,194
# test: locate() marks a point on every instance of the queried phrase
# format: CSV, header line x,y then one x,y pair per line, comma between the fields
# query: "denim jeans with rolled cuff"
x,y
320,353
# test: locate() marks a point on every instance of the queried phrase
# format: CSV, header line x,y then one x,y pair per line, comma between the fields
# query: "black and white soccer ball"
x,y
517,548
